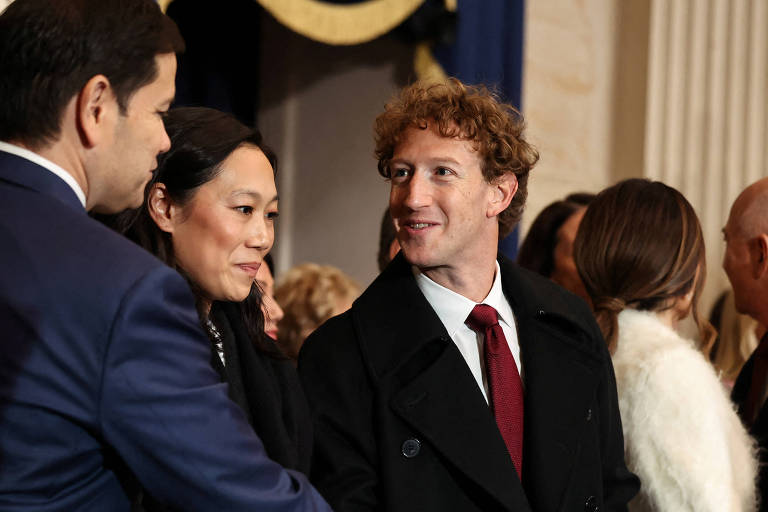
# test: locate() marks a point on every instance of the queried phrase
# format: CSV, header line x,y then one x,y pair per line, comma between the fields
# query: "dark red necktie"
x,y
757,385
505,386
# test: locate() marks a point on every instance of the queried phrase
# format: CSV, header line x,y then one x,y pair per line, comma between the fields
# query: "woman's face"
x,y
565,273
272,311
221,235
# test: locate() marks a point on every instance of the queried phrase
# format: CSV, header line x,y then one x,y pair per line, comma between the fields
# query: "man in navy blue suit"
x,y
105,384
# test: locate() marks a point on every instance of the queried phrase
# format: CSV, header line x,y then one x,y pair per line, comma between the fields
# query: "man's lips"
x,y
250,268
416,225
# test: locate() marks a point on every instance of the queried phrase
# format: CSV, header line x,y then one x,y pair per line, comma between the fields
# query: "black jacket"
x,y
401,425
759,430
267,388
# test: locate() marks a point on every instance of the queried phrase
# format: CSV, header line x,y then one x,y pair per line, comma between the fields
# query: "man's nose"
x,y
165,142
417,192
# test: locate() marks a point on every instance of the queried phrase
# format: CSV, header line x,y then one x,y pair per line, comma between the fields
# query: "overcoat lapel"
x,y
561,379
433,390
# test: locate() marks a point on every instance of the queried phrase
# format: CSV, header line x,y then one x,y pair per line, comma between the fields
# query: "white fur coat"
x,y
681,434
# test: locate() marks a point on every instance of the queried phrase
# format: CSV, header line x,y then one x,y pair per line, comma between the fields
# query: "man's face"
x,y
439,200
139,138
737,263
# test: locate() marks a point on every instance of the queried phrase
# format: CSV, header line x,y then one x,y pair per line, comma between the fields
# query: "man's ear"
x,y
758,252
503,189
161,208
95,110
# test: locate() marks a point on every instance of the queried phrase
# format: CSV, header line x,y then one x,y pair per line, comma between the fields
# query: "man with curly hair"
x,y
459,381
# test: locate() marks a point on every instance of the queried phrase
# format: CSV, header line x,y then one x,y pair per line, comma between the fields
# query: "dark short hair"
x,y
201,139
640,246
49,49
538,250
471,113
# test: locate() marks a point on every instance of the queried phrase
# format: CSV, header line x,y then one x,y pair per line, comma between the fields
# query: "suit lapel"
x,y
433,390
740,395
742,384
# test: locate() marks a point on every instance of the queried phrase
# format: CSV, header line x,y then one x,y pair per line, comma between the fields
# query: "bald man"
x,y
746,263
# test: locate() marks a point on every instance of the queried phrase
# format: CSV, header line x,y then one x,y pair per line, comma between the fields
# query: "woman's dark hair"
x,y
201,139
640,246
538,250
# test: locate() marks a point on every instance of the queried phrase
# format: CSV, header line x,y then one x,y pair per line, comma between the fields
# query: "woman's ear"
x,y
161,208
503,189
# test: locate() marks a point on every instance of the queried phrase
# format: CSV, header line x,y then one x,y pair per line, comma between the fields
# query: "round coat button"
x,y
411,448
591,505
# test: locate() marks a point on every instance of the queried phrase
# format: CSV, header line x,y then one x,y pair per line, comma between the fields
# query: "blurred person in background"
x,y
548,246
271,310
640,253
310,294
388,244
746,264
737,338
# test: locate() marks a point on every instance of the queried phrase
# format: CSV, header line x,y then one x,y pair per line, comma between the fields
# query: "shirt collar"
x,y
453,308
47,164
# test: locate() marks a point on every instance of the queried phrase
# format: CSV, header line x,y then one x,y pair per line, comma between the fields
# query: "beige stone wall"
x,y
584,95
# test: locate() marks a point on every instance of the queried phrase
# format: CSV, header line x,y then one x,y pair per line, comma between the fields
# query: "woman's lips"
x,y
250,268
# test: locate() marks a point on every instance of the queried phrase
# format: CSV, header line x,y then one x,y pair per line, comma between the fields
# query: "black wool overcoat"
x,y
401,425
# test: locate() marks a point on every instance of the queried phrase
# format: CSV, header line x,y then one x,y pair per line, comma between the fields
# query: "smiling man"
x,y
106,390
746,264
458,381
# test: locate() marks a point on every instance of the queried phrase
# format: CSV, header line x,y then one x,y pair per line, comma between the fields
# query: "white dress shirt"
x,y
44,162
453,310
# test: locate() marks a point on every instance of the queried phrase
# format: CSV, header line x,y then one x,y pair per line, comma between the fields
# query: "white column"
x,y
707,118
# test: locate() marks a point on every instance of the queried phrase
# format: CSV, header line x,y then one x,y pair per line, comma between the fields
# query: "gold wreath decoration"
x,y
341,24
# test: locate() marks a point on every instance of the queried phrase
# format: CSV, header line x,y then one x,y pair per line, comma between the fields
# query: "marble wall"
x,y
672,90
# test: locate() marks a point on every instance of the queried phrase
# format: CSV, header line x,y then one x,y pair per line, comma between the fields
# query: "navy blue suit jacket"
x,y
105,376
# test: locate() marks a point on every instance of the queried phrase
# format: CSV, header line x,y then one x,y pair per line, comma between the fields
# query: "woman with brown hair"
x,y
640,254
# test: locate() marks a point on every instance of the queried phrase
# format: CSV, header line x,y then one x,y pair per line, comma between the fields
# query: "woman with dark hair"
x,y
209,212
548,246
640,253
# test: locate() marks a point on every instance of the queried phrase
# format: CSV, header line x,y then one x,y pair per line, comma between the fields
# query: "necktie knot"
x,y
482,317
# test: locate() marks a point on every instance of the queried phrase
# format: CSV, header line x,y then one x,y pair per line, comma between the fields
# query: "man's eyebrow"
x,y
433,161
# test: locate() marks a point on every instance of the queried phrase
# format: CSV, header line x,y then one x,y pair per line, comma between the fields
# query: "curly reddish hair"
x,y
471,113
